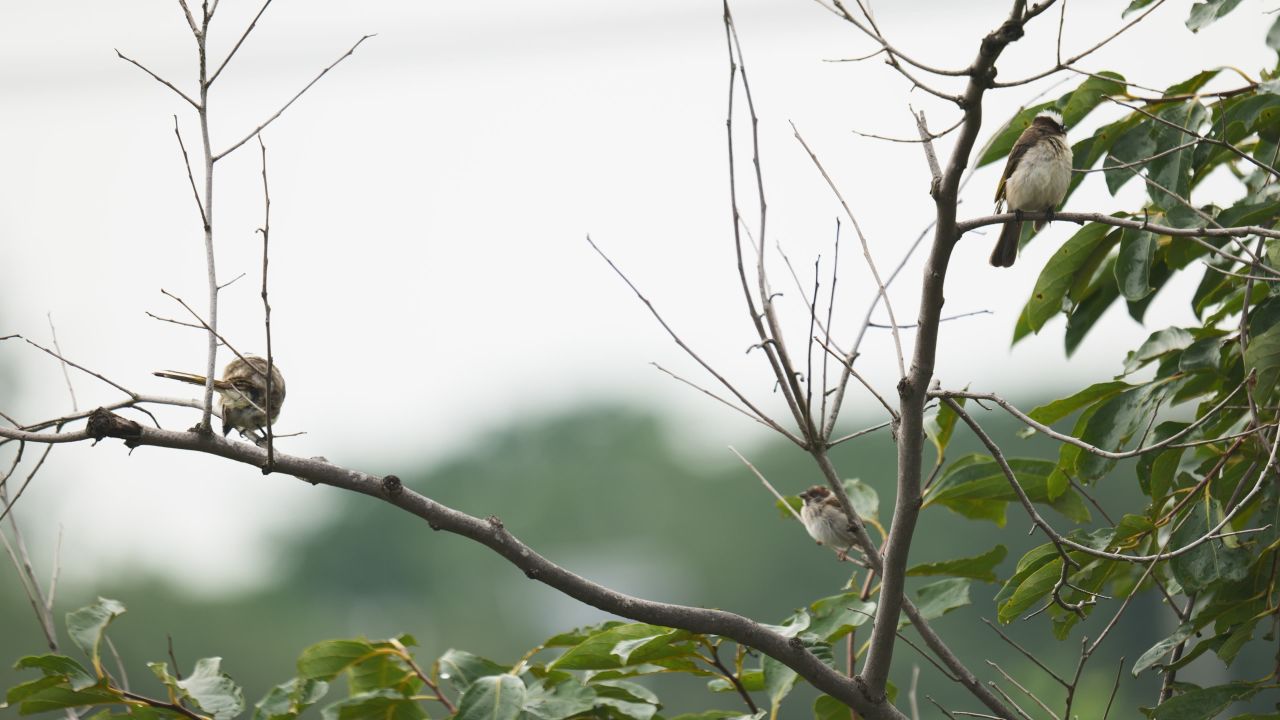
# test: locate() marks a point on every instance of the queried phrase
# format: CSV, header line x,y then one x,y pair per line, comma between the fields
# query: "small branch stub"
x,y
104,424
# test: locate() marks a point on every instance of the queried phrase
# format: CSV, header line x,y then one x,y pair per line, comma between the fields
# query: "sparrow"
x,y
825,520
242,394
1035,179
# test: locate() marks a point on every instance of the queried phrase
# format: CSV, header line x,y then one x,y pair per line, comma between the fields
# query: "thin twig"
x,y
266,304
252,25
277,113
53,332
158,79
767,485
186,161
689,351
866,250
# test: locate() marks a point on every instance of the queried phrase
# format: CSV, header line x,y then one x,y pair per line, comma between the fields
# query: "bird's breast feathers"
x,y
1042,176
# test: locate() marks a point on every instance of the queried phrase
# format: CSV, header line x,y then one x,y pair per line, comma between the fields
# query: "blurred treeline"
x,y
606,492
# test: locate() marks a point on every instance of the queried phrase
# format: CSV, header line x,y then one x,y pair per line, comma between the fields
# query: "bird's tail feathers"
x,y
186,377
1006,250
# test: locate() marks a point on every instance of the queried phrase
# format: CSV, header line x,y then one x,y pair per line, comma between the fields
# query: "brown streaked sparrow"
x,y
826,522
1036,177
242,394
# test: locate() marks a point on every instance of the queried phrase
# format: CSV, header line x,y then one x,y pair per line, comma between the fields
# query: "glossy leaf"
x,y
1202,704
494,697
1064,268
564,700
1204,13
979,567
324,660
376,705
631,643
461,668
1050,413
77,677
1133,266
286,700
87,625
941,597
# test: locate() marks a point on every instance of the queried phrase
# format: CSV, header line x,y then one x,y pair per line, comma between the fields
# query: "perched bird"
x,y
1035,179
242,393
825,520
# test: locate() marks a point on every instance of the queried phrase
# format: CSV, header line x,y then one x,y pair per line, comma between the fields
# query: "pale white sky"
x,y
431,196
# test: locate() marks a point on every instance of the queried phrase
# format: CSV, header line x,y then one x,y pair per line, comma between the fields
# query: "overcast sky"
x,y
430,277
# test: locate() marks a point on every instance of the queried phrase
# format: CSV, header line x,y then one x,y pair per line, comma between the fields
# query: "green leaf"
x,y
979,567
1090,305
718,715
1113,425
941,425
836,616
1030,589
1134,144
379,705
1159,343
1236,640
324,660
1203,354
577,635
829,708
1065,267
566,699
1090,93
1202,704
495,697
461,668
976,487
1152,657
58,697
1204,13
863,497
752,680
213,690
939,598
626,690
58,666
1133,266
286,700
618,647
1051,413
778,682
1210,562
1273,36
87,625
1131,526
1263,356
1134,6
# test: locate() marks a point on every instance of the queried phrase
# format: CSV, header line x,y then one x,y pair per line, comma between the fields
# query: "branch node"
x,y
495,522
392,486
104,424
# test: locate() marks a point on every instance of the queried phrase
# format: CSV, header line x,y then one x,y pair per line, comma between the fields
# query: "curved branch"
x,y
1072,440
1062,65
491,533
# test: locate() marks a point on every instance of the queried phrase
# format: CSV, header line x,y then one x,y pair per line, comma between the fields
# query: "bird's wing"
x,y
1020,147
